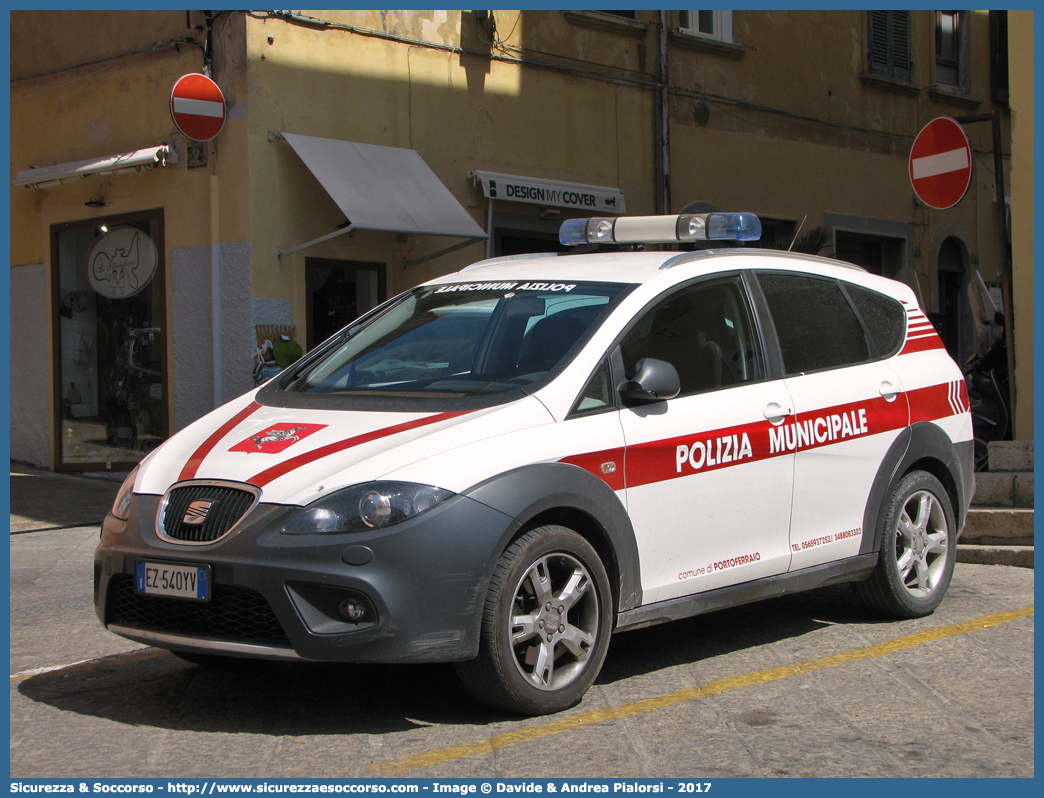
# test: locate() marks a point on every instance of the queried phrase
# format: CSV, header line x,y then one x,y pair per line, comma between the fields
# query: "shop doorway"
x,y
110,369
521,242
951,281
339,291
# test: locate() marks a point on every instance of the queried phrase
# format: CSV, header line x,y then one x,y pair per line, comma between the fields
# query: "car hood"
x,y
297,455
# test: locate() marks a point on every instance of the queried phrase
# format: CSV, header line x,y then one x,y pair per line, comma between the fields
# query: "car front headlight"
x,y
121,506
361,508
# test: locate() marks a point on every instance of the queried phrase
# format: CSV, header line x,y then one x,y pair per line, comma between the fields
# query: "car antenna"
x,y
797,233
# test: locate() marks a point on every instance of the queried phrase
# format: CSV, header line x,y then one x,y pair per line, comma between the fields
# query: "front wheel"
x,y
545,625
918,548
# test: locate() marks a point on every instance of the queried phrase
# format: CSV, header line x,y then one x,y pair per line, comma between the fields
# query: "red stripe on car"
x,y
671,458
607,464
192,466
285,467
920,333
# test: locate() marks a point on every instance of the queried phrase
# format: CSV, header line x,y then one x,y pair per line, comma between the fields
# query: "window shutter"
x,y
999,56
890,43
878,41
900,44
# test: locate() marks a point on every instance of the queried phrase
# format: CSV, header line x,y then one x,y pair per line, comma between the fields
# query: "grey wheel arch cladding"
x,y
531,491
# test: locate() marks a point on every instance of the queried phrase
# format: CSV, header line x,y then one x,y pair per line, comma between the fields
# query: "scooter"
x,y
987,379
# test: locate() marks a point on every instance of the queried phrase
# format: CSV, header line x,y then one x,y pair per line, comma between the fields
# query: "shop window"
x,y
949,37
110,361
890,44
712,24
339,291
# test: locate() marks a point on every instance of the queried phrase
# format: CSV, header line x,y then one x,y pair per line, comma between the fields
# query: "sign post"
x,y
197,107
941,163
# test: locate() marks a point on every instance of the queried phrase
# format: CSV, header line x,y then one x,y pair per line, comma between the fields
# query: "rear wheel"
x,y
918,548
545,626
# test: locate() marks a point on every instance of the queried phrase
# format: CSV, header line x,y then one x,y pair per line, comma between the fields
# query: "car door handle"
x,y
889,391
776,412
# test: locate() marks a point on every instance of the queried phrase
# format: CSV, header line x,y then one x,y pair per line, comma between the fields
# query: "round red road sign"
x,y
197,107
941,163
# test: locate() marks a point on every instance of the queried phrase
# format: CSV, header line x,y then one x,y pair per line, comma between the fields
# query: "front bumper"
x,y
275,595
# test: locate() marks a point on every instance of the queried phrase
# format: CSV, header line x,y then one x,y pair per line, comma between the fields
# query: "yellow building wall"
x,y
75,97
842,144
460,112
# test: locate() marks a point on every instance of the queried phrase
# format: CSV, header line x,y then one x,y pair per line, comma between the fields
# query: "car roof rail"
x,y
506,258
687,257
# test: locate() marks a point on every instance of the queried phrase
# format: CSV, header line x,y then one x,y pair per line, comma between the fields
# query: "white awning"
x,y
554,193
134,161
381,188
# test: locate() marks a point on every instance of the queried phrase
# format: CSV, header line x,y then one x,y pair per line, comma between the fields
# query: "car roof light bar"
x,y
661,229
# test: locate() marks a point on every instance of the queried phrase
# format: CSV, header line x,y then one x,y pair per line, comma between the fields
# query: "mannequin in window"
x,y
72,398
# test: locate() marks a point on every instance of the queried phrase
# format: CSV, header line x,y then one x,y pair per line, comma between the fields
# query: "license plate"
x,y
176,581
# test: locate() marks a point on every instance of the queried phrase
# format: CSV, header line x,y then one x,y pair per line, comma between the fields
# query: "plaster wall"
x,y
30,381
192,331
1020,48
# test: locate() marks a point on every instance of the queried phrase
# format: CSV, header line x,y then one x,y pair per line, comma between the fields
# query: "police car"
x,y
504,466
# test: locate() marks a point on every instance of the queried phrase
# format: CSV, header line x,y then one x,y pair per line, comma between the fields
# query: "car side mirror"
x,y
655,381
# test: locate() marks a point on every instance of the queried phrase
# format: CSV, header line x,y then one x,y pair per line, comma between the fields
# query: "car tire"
x,y
918,549
546,625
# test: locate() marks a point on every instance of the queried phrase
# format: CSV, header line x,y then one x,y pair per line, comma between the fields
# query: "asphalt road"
x,y
808,685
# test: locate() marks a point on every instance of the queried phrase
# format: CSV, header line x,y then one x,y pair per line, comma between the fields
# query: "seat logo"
x,y
196,513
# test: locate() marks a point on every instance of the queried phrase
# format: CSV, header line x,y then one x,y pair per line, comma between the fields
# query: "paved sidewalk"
x,y
46,500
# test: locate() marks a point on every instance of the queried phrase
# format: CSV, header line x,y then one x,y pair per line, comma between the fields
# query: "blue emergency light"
x,y
661,229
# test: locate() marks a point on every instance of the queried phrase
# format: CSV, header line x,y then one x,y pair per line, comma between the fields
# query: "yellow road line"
x,y
89,664
584,719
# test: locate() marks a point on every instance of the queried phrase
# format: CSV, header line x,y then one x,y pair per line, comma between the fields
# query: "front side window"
x,y
598,394
474,339
816,327
706,331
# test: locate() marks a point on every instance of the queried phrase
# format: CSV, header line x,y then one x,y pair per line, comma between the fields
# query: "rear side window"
x,y
816,326
884,318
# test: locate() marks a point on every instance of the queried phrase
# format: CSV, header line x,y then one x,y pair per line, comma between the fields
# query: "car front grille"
x,y
234,614
204,512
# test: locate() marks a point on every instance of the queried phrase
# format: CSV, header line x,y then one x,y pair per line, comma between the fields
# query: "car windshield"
x,y
466,339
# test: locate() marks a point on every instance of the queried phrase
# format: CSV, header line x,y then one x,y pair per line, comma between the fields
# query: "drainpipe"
x,y
215,281
215,235
663,123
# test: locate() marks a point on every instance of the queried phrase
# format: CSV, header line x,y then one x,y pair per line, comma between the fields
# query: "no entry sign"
x,y
941,163
197,107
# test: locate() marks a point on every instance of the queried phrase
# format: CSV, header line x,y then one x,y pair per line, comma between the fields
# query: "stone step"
x,y
1021,556
1003,489
1001,526
1011,455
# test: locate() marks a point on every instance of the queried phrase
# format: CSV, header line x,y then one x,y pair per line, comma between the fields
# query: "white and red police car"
x,y
504,466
